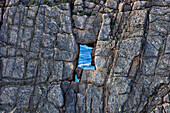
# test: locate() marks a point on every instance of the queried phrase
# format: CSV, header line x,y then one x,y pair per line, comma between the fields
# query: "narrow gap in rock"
x,y
85,59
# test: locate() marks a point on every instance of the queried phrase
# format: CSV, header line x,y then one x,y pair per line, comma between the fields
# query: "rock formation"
x,y
39,51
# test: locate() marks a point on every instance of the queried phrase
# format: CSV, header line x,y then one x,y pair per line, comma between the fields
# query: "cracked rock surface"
x,y
39,50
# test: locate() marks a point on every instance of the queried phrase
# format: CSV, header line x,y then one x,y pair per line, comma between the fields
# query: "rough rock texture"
x,y
39,51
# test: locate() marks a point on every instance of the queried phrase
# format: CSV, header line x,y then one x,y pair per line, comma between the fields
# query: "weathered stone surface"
x,y
149,66
79,72
125,54
167,49
140,5
105,28
163,66
39,46
80,106
80,21
103,48
69,68
70,101
55,96
24,97
112,4
94,77
57,70
0,14
87,34
13,67
8,95
94,100
150,50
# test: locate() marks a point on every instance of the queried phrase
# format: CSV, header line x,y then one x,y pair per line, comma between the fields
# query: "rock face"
x,y
39,50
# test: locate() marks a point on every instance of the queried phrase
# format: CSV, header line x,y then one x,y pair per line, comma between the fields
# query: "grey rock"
x,y
32,55
32,68
89,5
48,40
49,108
29,22
132,44
82,88
39,47
25,41
64,55
162,28
101,62
134,66
80,21
127,7
119,85
166,98
8,95
69,68
99,78
80,106
3,51
57,70
3,35
66,42
167,49
156,41
121,5
11,51
77,9
50,1
0,14
35,45
44,71
118,89
78,2
94,99
159,10
47,52
105,28
163,66
51,26
65,86
103,48
13,67
86,36
79,72
153,17
12,2
112,4
87,76
94,77
32,12
13,37
151,83
135,21
150,50
55,95
139,5
149,66
70,99
24,96
121,65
